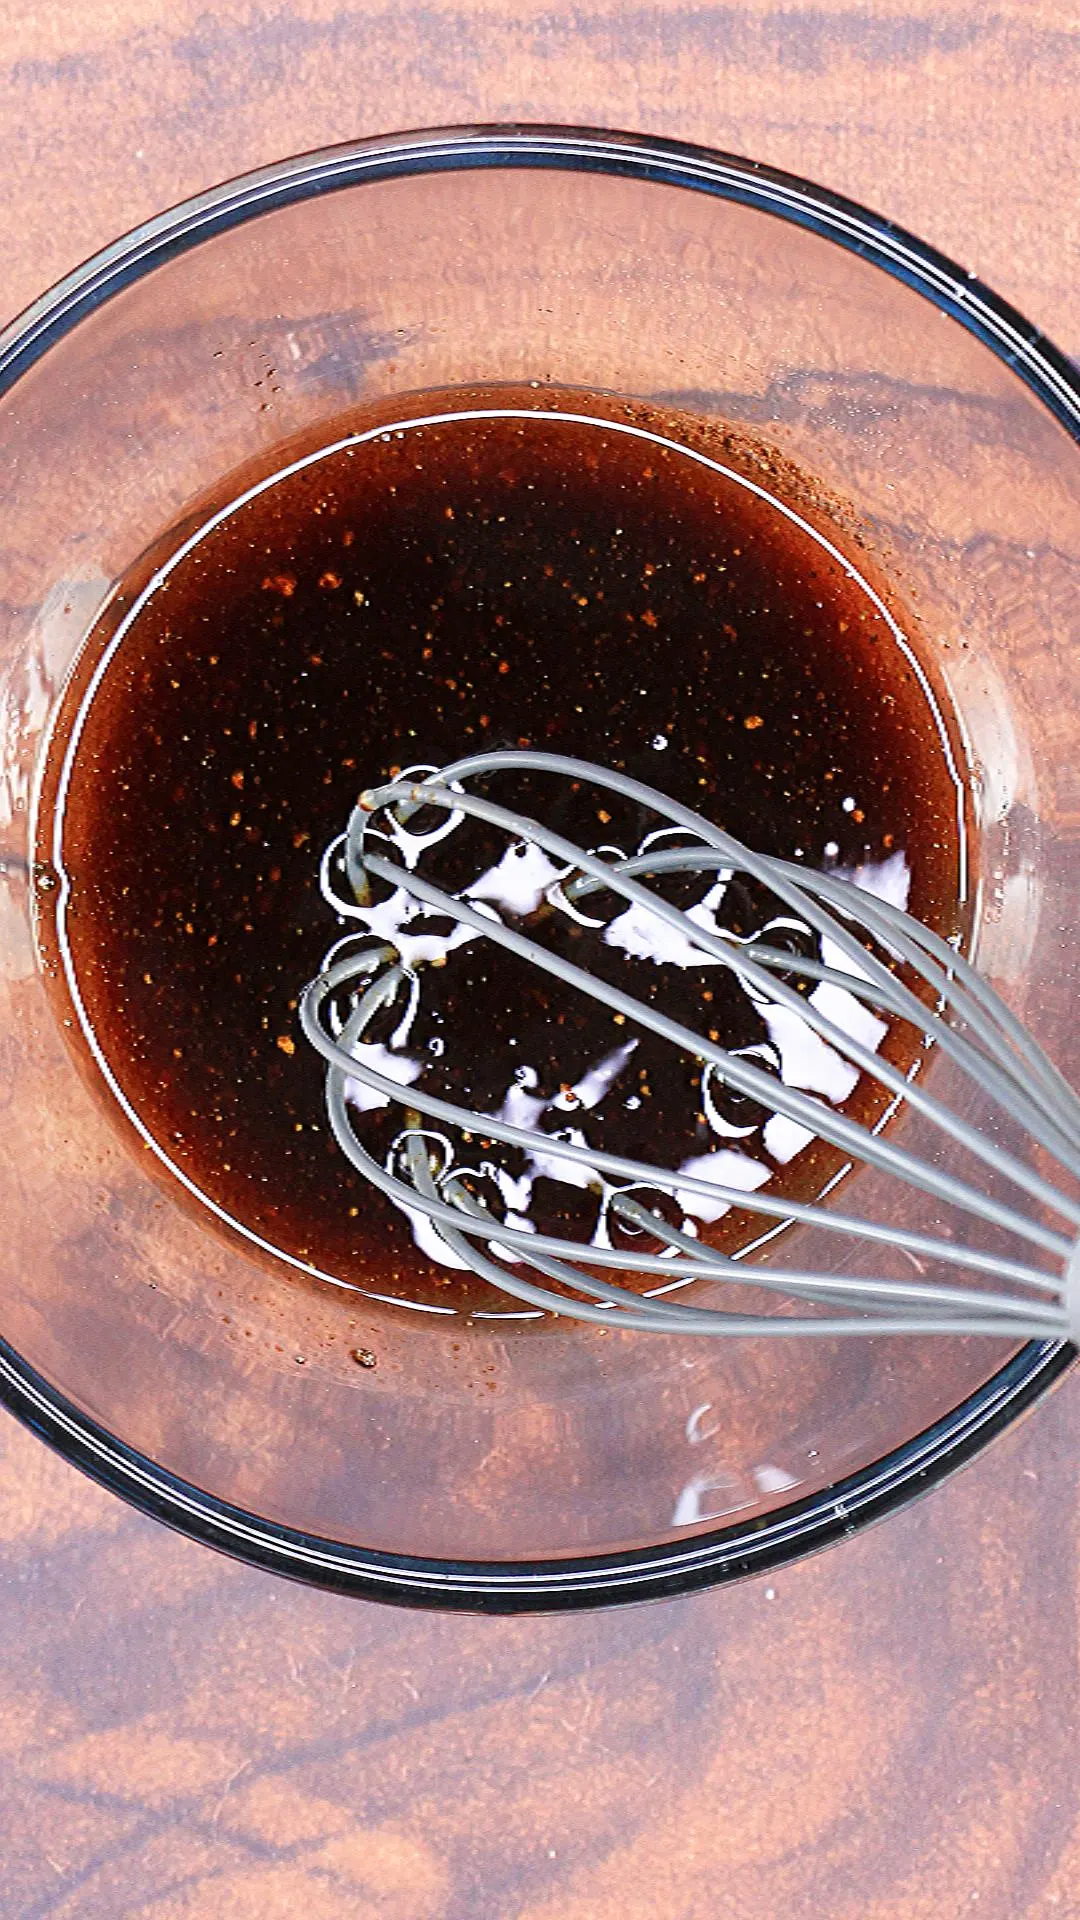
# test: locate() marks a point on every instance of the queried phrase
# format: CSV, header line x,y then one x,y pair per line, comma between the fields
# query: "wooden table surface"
x,y
887,1732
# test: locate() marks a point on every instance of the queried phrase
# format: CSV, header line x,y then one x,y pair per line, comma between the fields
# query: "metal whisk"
x,y
1024,1284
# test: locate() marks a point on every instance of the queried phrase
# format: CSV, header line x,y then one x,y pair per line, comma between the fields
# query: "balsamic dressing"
x,y
469,578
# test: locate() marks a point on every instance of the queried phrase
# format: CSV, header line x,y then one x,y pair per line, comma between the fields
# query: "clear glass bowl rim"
x,y
732,1551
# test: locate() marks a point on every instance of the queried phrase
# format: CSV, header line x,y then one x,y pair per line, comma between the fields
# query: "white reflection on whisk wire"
x,y
995,1051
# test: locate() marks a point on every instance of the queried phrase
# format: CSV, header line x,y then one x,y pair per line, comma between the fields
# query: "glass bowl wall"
x,y
502,1469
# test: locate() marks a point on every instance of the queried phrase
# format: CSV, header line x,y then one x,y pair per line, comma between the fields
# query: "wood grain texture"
x,y
886,1733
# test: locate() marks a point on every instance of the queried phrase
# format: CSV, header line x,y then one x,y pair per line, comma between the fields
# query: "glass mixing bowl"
x,y
484,1467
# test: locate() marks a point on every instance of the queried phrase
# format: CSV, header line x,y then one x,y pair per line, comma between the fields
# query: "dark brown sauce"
x,y
436,589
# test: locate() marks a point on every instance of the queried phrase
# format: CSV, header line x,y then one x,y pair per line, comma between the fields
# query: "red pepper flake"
x,y
237,778
329,579
752,722
286,1043
283,583
649,618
